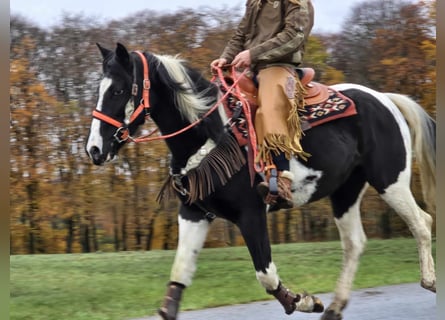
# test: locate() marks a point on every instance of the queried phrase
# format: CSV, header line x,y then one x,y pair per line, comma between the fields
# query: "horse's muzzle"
x,y
95,155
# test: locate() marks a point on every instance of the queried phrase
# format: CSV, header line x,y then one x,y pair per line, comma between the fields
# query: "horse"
x,y
209,170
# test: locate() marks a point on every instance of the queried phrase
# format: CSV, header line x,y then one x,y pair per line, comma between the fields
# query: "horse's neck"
x,y
171,118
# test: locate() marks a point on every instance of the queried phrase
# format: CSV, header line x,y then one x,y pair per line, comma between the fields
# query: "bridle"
x,y
122,133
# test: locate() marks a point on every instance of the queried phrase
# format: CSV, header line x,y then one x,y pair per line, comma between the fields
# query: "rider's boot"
x,y
281,197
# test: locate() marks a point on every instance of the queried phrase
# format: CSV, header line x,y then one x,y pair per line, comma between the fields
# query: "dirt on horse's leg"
x,y
192,235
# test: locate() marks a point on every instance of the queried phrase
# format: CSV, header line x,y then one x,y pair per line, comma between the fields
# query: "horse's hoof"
x,y
431,285
331,315
300,302
164,314
318,305
309,303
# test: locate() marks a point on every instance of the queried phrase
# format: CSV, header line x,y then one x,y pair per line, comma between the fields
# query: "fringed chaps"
x,y
277,123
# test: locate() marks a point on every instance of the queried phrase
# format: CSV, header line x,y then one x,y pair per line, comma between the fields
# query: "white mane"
x,y
191,104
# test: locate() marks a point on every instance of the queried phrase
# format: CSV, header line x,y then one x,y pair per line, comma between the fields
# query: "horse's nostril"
x,y
95,155
94,151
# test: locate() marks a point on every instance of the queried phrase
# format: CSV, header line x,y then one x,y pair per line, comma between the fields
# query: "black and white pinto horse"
x,y
374,147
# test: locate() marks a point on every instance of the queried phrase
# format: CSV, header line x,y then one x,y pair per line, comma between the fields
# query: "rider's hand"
x,y
218,63
242,59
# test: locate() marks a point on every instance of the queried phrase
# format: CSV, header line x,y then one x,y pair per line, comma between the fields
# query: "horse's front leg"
x,y
193,228
253,226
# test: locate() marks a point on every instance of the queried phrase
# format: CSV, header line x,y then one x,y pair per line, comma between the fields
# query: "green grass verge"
x,y
127,285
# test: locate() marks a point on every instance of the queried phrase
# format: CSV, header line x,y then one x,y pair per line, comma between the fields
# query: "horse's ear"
x,y
122,54
104,51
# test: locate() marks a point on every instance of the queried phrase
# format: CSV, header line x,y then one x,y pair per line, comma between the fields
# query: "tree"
x,y
61,203
31,116
389,46
352,49
400,62
317,57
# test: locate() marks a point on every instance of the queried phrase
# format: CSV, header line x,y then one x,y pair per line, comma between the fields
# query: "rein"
x,y
193,124
258,165
122,133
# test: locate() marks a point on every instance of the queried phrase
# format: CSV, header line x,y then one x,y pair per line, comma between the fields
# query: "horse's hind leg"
x,y
253,227
193,228
346,205
400,198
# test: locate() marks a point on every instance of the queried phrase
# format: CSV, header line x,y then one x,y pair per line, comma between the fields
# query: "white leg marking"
x,y
400,198
270,279
353,240
191,240
95,139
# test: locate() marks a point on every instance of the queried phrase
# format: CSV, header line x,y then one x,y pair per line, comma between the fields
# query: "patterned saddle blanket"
x,y
322,104
334,107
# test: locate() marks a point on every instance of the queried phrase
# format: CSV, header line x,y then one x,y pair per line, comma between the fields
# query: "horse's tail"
x,y
423,134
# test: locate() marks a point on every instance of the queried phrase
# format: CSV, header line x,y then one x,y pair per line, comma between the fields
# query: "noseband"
x,y
122,133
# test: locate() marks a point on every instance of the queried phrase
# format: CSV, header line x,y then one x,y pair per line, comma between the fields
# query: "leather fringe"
x,y
216,168
274,144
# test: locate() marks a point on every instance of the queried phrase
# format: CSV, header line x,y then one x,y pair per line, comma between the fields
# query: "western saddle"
x,y
315,92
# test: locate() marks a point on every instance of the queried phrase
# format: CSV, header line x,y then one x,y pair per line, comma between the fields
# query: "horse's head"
x,y
114,119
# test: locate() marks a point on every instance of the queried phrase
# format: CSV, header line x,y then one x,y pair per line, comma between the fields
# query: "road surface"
x,y
406,301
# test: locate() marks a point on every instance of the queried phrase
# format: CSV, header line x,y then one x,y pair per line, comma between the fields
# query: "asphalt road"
x,y
406,301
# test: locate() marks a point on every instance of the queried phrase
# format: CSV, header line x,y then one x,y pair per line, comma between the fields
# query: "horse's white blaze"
x,y
305,182
191,240
353,240
270,279
95,139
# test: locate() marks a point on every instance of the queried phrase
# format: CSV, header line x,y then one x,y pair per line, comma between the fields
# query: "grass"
x,y
128,285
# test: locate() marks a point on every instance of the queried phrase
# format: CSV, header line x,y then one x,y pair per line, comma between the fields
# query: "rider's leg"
x,y
278,192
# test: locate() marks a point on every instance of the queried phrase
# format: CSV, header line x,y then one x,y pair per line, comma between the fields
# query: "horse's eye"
x,y
118,92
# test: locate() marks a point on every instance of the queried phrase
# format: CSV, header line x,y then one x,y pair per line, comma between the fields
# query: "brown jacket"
x,y
275,31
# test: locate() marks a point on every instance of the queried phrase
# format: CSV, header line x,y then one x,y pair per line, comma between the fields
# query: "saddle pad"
x,y
335,107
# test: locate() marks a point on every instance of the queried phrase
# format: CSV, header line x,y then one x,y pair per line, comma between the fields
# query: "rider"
x,y
270,40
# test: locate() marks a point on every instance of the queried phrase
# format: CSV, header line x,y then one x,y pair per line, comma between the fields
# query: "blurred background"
x,y
60,203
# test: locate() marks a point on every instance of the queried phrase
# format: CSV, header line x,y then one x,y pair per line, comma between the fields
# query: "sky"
x,y
329,14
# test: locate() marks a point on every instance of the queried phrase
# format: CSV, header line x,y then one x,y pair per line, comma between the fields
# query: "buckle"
x,y
147,84
122,134
134,89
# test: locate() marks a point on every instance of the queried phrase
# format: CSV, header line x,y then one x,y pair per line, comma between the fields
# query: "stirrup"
x,y
268,188
270,191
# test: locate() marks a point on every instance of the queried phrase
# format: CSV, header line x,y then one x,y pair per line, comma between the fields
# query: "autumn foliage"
x,y
61,203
